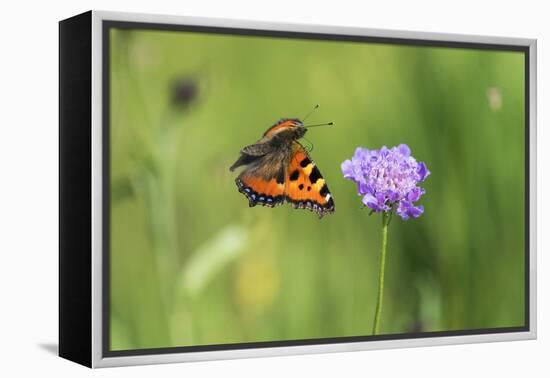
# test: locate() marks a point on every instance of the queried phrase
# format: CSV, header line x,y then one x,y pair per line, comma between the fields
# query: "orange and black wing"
x,y
260,191
305,187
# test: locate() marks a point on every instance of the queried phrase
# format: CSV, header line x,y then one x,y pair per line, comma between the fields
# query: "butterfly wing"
x,y
305,187
260,191
252,153
263,180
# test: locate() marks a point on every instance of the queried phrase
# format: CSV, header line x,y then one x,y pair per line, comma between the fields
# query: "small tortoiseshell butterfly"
x,y
279,169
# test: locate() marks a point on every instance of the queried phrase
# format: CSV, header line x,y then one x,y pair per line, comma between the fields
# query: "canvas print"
x,y
281,190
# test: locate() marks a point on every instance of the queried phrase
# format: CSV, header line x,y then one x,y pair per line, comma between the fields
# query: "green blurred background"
x,y
192,264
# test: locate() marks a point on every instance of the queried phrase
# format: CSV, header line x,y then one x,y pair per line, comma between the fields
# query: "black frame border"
x,y
75,193
107,25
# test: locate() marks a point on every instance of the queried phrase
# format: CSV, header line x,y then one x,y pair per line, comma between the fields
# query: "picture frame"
x,y
84,265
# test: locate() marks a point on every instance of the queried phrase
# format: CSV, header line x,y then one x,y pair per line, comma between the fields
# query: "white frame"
x,y
97,175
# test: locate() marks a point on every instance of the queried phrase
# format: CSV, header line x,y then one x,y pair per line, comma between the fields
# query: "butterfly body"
x,y
279,169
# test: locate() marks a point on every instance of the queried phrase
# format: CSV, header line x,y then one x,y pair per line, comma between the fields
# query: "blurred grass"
x,y
259,274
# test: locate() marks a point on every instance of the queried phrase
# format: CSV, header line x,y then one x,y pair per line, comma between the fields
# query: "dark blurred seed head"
x,y
184,92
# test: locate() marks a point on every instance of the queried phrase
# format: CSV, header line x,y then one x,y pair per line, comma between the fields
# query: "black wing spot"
x,y
304,163
294,175
314,175
308,188
324,190
301,186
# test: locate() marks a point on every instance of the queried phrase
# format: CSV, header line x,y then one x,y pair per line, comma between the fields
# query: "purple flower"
x,y
387,179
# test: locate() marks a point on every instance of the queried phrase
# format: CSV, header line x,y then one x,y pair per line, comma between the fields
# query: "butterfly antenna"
x,y
310,112
320,124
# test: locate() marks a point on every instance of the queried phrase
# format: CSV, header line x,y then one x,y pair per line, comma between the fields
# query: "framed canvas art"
x,y
237,189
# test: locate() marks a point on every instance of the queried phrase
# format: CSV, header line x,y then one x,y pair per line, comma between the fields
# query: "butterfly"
x,y
278,169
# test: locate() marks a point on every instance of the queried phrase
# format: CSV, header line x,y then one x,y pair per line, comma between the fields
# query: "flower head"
x,y
184,91
387,178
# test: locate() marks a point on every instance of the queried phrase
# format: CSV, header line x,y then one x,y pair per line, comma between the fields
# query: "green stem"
x,y
385,221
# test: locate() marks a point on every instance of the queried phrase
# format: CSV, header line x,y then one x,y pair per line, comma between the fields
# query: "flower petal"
x,y
422,171
371,201
415,194
361,153
347,169
363,187
404,150
407,210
